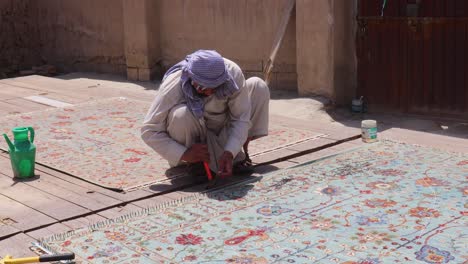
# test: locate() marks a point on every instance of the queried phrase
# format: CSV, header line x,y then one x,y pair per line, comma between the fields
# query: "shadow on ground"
x,y
422,123
197,183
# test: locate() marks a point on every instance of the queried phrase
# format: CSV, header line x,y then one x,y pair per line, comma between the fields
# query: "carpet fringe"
x,y
43,242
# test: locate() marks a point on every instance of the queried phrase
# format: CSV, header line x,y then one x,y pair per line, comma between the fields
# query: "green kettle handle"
x,y
31,134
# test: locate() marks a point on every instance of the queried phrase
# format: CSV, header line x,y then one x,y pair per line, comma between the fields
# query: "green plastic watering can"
x,y
22,152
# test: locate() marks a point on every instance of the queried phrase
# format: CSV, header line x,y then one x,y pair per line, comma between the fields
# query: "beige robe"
x,y
170,128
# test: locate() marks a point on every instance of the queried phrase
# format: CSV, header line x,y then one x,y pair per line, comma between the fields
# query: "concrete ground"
x,y
317,109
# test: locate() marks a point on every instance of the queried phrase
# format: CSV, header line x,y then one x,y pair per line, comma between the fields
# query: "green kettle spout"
x,y
10,144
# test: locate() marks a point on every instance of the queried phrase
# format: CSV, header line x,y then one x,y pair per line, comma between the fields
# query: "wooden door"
x,y
412,55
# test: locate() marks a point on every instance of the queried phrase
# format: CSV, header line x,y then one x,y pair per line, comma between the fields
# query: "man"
x,y
205,111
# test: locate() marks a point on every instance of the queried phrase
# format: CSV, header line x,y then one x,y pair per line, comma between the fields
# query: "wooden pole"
x,y
278,40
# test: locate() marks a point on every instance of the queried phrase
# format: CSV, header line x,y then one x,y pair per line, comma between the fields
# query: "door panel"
x,y
414,58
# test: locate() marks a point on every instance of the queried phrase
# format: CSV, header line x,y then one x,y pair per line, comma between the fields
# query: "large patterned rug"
x,y
100,142
383,203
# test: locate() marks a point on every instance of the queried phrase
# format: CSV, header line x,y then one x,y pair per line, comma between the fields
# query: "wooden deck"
x,y
54,202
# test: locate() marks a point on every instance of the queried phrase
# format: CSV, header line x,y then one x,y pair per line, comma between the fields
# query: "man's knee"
x,y
259,98
258,88
180,119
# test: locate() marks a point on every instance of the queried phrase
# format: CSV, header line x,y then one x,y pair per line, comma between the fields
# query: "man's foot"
x,y
243,167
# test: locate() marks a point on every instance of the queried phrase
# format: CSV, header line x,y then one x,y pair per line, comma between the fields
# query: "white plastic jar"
x,y
369,131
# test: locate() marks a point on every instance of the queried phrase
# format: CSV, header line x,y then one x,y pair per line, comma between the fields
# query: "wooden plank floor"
x,y
54,202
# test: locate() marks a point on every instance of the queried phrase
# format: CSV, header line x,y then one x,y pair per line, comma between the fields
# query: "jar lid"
x,y
369,123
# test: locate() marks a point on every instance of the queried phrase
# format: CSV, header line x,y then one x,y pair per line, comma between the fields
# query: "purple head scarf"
x,y
207,68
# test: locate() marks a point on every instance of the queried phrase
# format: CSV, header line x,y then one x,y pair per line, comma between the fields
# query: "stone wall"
x,y
241,30
19,48
85,35
142,38
327,63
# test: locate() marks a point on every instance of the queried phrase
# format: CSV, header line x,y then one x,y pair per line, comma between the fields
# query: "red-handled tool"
x,y
208,171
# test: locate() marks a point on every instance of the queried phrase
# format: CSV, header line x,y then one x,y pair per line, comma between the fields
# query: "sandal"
x,y
245,166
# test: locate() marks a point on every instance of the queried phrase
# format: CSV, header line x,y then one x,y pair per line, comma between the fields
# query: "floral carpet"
x,y
383,203
100,142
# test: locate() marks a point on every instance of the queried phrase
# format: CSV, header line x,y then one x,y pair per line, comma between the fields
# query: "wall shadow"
x,y
445,126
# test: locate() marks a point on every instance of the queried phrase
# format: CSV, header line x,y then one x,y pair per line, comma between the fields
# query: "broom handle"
x,y
279,38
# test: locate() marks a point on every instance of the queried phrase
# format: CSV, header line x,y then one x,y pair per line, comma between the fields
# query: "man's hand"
x,y
225,164
196,153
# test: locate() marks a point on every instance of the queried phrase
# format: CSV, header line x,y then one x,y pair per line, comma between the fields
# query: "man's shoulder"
x,y
235,71
231,65
171,85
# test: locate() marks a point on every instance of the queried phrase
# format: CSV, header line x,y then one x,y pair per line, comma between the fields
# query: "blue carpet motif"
x,y
386,202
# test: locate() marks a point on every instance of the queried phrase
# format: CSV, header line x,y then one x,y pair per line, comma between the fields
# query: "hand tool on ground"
x,y
44,258
203,139
208,171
